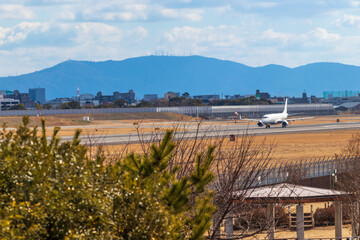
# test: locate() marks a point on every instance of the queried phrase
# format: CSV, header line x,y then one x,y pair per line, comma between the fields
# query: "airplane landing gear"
x,y
267,126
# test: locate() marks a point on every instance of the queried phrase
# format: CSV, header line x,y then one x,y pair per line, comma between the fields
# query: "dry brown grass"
x,y
293,147
98,118
317,232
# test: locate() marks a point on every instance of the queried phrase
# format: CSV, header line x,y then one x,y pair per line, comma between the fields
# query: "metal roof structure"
x,y
349,104
290,193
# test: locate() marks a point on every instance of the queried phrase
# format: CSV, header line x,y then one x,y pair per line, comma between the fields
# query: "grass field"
x,y
317,232
290,147
97,118
293,147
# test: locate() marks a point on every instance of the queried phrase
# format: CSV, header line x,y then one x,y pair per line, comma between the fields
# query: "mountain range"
x,y
193,74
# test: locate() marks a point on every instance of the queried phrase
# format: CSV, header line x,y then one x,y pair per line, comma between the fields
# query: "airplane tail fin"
x,y
285,108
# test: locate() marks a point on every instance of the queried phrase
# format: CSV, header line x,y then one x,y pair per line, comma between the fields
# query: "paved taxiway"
x,y
213,131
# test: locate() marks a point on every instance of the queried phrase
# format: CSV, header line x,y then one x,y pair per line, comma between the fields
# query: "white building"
x,y
7,103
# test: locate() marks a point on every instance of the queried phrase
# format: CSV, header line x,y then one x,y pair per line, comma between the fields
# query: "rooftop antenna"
x,y
78,92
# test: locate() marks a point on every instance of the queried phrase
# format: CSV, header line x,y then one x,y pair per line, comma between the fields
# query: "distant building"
x,y
186,95
87,96
7,103
38,95
303,99
6,92
89,103
262,95
349,106
58,101
150,97
104,98
304,96
314,99
236,96
129,96
207,98
170,95
24,98
339,100
341,94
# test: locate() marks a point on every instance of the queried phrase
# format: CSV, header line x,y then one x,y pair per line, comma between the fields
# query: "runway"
x,y
210,131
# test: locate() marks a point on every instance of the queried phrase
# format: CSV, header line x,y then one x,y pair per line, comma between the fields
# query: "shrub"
x,y
54,190
326,216
255,218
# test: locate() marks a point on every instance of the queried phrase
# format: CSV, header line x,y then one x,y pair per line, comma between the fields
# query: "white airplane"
x,y
274,118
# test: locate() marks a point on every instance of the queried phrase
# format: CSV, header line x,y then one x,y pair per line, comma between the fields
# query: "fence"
x,y
214,111
306,169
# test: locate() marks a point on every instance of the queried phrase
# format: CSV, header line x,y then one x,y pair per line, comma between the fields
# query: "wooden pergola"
x,y
289,194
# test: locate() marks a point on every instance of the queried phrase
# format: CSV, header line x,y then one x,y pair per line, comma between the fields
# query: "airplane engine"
x,y
260,123
284,124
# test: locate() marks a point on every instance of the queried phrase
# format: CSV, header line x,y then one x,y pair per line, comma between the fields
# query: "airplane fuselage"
x,y
274,118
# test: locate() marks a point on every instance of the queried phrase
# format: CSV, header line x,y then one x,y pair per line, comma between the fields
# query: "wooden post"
x,y
338,219
271,220
300,230
229,227
354,219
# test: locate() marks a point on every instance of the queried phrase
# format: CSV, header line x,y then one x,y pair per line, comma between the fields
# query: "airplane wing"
x,y
246,119
298,119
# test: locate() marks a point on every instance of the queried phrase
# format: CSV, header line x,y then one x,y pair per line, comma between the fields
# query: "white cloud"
x,y
86,34
15,11
355,3
323,35
318,36
138,11
67,16
138,33
224,9
251,47
266,4
19,32
188,14
113,11
350,20
285,38
220,39
96,33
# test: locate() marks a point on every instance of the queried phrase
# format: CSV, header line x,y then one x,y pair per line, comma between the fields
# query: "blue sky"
x,y
35,34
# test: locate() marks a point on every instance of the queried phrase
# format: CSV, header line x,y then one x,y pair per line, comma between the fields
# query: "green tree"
x,y
120,103
105,105
185,204
144,103
70,105
55,190
47,106
38,106
19,106
194,102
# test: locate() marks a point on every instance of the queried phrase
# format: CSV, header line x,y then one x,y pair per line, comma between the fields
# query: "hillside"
x,y
193,74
